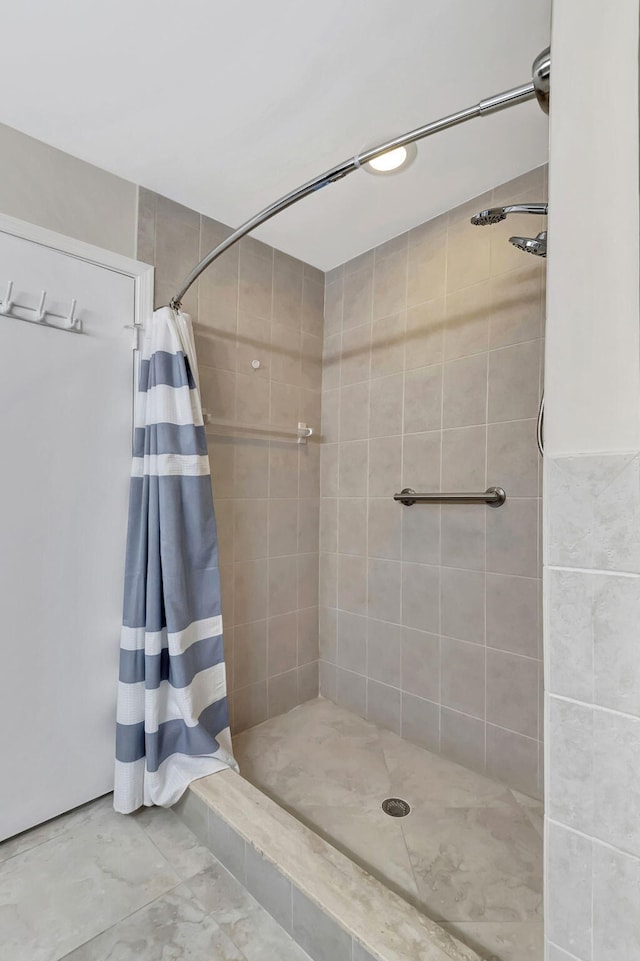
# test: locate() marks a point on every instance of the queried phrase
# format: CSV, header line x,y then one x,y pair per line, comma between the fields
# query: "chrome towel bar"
x,y
493,496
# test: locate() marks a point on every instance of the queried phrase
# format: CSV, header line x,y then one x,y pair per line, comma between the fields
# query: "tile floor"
x,y
93,885
470,852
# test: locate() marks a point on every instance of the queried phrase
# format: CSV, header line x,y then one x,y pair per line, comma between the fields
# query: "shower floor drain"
x,y
395,807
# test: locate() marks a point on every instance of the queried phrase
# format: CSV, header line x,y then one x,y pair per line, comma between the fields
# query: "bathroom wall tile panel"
x,y
616,758
385,411
385,465
351,691
512,532
387,345
467,255
384,652
384,533
570,789
512,692
358,297
421,597
425,334
462,676
384,590
462,738
464,536
463,458
513,758
423,399
307,635
421,722
352,642
516,306
420,533
352,525
514,390
282,693
383,705
465,391
389,283
464,318
317,933
513,458
270,887
467,321
512,609
308,580
282,643
569,865
420,664
462,604
328,633
352,584
616,932
353,469
308,514
355,363
615,612
308,681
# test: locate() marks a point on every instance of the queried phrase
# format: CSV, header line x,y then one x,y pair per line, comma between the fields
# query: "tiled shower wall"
x,y
255,303
429,616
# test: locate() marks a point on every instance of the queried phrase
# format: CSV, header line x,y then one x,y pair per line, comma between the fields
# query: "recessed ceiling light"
x,y
393,161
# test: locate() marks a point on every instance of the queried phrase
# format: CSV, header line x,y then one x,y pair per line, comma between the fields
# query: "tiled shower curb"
x,y
330,906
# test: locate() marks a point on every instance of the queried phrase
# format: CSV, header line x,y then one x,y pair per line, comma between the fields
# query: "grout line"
x,y
592,838
591,570
594,707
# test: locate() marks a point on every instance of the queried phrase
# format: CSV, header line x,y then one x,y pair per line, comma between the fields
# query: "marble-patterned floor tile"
x,y
371,838
53,828
174,840
503,941
87,877
420,775
476,864
173,926
533,809
241,918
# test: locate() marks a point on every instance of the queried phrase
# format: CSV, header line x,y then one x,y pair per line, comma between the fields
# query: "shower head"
x,y
532,245
495,214
491,216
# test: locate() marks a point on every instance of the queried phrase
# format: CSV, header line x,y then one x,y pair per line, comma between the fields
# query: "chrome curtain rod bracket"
x,y
537,88
493,497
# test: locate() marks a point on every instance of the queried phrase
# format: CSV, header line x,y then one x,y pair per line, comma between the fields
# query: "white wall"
x,y
592,368
50,188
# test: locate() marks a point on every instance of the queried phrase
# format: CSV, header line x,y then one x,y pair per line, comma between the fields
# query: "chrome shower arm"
x,y
508,98
540,209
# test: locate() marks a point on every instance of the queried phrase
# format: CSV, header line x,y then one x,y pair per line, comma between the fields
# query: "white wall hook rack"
x,y
41,315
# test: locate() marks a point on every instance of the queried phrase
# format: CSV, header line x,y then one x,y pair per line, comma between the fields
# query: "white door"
x,y
65,449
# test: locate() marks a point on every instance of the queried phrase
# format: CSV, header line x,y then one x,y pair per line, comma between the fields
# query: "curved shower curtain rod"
x,y
538,87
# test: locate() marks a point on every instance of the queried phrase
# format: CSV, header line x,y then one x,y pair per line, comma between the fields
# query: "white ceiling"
x,y
225,106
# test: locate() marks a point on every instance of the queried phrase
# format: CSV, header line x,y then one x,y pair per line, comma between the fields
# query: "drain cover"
x,y
396,807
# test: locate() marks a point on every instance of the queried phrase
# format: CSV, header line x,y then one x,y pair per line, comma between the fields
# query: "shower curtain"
x,y
172,722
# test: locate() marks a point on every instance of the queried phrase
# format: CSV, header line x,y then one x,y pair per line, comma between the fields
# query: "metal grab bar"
x,y
493,496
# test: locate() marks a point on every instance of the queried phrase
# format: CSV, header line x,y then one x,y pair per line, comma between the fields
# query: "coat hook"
x,y
73,323
41,314
7,303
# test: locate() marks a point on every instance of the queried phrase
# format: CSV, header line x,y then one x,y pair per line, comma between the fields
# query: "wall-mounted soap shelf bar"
x,y
302,433
42,315
493,496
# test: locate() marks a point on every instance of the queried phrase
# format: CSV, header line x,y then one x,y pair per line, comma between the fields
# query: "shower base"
x,y
469,853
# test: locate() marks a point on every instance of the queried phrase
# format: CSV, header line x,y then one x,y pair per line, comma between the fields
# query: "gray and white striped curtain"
x,y
172,720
